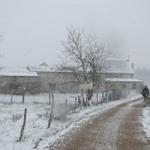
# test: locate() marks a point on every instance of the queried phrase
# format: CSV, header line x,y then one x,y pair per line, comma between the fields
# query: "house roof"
x,y
17,71
122,80
41,68
43,64
119,66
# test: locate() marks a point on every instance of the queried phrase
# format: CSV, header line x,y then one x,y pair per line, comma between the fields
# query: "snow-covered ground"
x,y
36,134
146,121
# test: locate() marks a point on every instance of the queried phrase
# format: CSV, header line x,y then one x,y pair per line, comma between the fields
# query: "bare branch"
x,y
86,56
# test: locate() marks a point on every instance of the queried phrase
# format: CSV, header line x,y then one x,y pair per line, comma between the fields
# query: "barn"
x,y
17,79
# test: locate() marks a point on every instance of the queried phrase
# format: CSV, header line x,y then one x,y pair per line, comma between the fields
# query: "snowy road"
x,y
116,129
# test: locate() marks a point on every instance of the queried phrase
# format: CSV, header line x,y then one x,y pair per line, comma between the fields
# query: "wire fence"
x,y
39,109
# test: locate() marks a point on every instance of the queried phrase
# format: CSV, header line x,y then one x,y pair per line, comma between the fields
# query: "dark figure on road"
x,y
145,92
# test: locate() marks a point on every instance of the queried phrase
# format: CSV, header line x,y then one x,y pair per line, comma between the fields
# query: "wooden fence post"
x,y
97,98
23,126
50,97
102,97
11,99
66,102
23,98
75,104
51,113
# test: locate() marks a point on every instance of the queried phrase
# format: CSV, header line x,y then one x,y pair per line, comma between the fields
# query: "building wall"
x,y
122,89
63,81
118,75
18,82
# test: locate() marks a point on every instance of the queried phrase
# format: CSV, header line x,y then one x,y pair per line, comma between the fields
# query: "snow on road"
x,y
103,131
36,134
77,120
146,121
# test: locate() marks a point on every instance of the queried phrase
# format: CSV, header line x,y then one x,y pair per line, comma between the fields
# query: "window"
x,y
134,86
124,85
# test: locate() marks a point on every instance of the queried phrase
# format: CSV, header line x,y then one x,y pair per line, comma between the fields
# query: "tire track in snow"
x,y
100,133
130,134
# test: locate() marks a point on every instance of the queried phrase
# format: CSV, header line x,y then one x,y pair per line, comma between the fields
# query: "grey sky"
x,y
33,29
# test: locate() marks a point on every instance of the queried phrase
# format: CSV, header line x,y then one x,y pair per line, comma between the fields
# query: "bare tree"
x,y
85,57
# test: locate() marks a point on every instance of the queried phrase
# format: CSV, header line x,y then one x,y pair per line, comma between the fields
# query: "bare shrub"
x,y
16,117
44,115
61,111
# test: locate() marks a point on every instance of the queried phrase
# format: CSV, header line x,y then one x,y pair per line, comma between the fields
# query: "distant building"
x,y
63,81
16,78
118,78
117,68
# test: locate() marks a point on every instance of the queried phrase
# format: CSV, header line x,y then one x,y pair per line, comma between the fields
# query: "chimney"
x,y
132,66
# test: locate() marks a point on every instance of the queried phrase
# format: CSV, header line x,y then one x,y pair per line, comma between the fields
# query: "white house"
x,y
119,77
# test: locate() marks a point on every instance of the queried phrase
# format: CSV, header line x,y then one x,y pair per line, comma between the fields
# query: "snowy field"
x,y
36,134
146,121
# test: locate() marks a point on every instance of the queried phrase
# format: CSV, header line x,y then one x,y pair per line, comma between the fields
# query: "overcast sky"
x,y
33,29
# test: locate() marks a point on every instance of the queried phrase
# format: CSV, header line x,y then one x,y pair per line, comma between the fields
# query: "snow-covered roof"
x,y
17,71
41,68
122,80
119,66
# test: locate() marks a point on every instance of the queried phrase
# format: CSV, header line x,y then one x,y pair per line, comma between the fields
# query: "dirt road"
x,y
117,129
